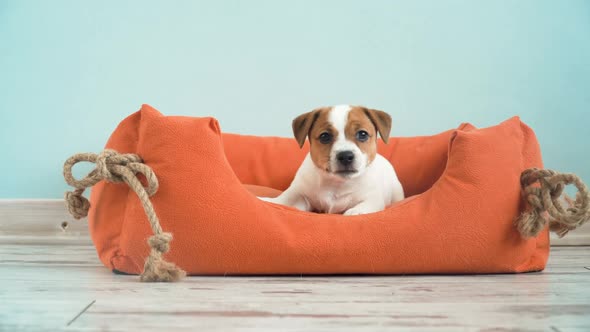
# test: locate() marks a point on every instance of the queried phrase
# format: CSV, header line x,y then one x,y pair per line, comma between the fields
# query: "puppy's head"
x,y
343,139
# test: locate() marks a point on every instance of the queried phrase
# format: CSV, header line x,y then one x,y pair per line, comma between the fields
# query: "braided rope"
x,y
116,168
542,189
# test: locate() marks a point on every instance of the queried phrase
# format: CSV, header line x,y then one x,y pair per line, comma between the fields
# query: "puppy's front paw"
x,y
356,211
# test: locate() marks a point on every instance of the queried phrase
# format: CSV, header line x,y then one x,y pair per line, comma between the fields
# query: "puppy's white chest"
x,y
332,201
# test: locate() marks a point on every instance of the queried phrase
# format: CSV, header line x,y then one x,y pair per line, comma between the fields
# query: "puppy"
x,y
343,173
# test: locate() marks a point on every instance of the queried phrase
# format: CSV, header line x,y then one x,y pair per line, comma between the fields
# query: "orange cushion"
x,y
464,188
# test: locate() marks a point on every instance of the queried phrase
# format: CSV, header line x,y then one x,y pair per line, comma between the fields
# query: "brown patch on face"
x,y
371,121
320,152
312,125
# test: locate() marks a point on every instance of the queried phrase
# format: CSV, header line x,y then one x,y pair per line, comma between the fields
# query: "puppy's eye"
x,y
362,136
325,138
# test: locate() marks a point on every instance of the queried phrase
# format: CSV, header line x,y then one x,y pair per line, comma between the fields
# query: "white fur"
x,y
371,189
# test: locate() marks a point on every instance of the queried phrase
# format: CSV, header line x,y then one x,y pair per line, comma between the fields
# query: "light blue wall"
x,y
71,70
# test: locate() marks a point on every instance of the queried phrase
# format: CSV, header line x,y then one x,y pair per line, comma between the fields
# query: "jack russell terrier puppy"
x,y
343,173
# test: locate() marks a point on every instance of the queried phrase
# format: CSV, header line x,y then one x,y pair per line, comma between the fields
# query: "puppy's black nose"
x,y
345,158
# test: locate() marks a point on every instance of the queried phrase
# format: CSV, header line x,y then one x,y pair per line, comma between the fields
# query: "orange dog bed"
x,y
462,186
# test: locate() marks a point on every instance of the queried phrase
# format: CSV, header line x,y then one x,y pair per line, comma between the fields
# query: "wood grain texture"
x,y
51,280
37,221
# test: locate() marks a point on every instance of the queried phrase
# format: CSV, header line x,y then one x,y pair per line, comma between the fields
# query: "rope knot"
x,y
157,269
77,204
542,190
160,242
104,162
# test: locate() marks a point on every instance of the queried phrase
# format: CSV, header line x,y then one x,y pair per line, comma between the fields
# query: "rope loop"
x,y
123,168
542,190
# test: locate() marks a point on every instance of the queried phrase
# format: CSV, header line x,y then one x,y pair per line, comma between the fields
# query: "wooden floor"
x,y
51,280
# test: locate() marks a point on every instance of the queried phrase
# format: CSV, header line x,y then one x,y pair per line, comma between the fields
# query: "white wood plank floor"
x,y
51,280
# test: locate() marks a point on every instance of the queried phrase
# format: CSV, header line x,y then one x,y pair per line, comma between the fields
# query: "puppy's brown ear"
x,y
302,125
382,122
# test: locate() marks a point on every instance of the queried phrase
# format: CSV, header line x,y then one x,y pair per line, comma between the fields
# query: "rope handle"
x,y
542,190
116,168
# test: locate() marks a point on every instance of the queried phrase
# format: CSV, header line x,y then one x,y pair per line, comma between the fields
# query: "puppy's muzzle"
x,y
345,158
